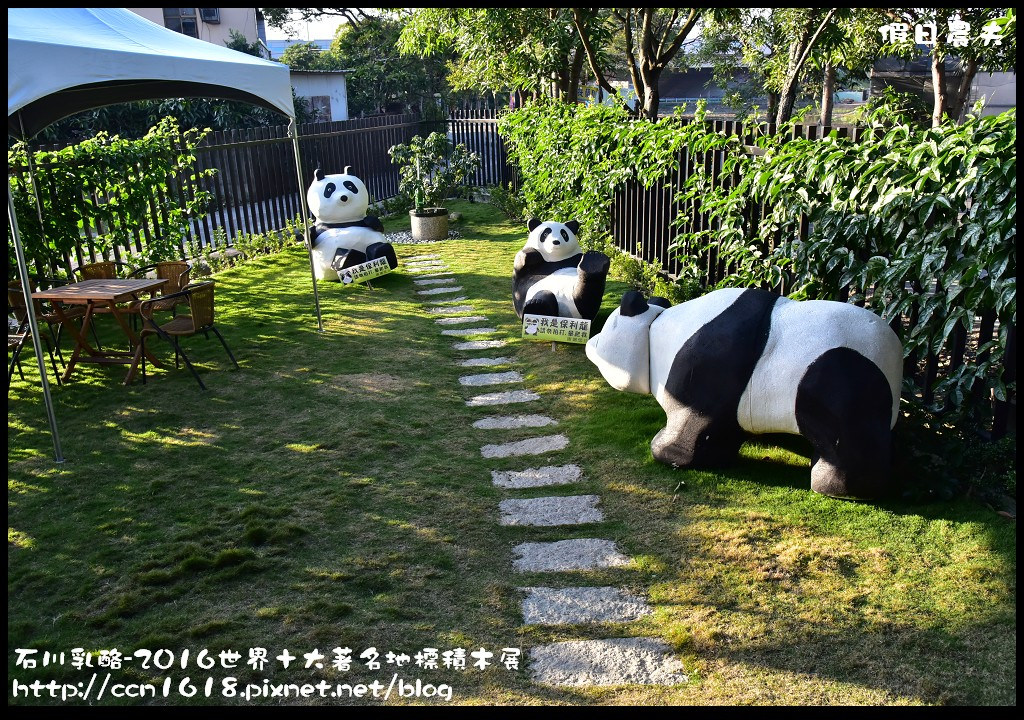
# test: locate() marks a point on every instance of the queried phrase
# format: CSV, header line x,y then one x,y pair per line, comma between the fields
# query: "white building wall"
x,y
309,84
241,19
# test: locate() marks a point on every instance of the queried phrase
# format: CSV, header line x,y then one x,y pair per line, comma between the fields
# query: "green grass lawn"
x,y
331,493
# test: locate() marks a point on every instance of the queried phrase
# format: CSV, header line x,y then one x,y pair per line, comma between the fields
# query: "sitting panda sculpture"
x,y
552,275
741,361
344,235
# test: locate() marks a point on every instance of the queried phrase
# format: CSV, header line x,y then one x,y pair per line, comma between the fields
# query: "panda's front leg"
x,y
690,439
592,272
384,250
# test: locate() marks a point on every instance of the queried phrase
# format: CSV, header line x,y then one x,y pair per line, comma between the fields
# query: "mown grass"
x,y
332,493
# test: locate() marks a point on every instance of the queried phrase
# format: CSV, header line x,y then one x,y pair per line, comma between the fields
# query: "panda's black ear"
x,y
660,302
633,304
532,223
318,174
573,226
347,170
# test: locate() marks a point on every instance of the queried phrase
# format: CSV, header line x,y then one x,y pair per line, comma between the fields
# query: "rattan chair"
x,y
48,317
176,273
104,270
199,320
16,337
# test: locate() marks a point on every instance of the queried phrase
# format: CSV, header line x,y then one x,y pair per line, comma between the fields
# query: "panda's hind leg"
x,y
386,250
543,302
844,408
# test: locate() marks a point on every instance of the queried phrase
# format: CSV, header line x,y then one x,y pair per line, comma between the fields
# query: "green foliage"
x,y
431,170
383,79
510,202
911,220
212,258
113,185
240,43
573,157
890,216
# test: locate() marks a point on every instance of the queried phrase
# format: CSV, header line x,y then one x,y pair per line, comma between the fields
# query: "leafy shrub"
x,y
111,186
432,169
510,202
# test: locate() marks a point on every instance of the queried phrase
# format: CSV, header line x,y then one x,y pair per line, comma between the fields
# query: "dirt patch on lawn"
x,y
373,384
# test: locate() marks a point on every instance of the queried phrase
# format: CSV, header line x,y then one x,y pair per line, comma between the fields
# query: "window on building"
x,y
210,15
320,106
182,20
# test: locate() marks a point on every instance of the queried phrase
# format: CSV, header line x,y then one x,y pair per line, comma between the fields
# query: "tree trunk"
x,y
773,105
652,94
574,75
958,104
938,86
828,88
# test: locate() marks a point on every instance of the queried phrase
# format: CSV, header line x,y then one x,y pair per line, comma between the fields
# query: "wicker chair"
x,y
104,270
176,273
15,343
199,320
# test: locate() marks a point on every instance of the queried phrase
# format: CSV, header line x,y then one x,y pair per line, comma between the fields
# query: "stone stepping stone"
x,y
547,511
454,310
486,362
491,378
537,477
425,262
445,301
432,271
480,344
428,266
460,320
440,290
511,422
578,605
503,398
564,555
530,446
445,273
435,281
616,661
414,258
462,332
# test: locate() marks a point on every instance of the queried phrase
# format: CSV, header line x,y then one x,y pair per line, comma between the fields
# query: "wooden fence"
x,y
644,225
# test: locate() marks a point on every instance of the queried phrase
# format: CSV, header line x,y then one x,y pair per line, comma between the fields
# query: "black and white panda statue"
x,y
739,361
344,235
552,275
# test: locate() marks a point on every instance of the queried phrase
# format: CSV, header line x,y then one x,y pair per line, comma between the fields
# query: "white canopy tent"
x,y
61,61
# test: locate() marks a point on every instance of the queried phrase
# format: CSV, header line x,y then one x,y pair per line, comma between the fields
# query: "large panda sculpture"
x,y
742,361
344,235
552,275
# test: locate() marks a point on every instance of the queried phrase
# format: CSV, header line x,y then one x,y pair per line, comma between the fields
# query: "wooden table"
x,y
102,293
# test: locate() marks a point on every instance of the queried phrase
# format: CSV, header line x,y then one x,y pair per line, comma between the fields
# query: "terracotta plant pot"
x,y
429,225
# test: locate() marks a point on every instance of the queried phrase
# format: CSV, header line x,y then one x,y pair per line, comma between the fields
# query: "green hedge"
x,y
904,218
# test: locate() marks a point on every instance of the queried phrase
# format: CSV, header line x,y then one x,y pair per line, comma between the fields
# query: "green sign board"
x,y
364,271
546,328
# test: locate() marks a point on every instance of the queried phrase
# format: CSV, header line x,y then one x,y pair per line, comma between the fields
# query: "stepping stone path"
x,y
574,663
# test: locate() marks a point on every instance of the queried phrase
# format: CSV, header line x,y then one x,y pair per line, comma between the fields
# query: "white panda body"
x,y
561,284
339,203
749,361
800,333
330,240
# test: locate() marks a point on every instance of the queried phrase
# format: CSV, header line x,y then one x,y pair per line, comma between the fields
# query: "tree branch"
x,y
680,37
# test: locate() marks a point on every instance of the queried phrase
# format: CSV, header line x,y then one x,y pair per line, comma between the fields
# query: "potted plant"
x,y
429,171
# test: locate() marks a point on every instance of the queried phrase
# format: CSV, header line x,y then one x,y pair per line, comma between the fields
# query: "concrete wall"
x,y
309,83
241,19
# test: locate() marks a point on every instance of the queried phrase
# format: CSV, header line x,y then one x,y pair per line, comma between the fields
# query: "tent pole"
x,y
26,290
293,130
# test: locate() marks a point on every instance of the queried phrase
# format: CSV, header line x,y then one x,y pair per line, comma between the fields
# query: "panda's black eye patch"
x,y
329,189
544,235
351,187
565,235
